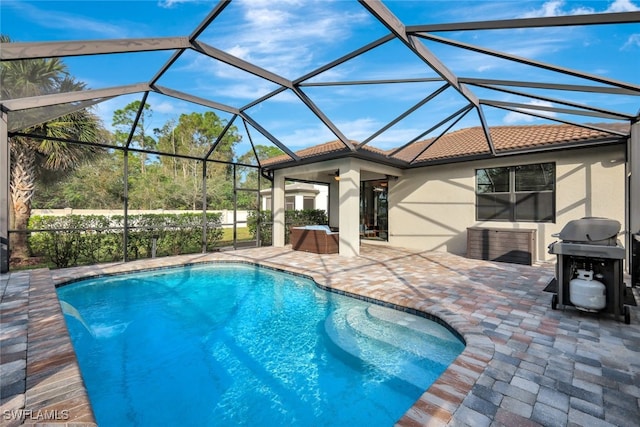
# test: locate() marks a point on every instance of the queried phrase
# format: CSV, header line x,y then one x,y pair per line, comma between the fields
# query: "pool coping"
x,y
45,382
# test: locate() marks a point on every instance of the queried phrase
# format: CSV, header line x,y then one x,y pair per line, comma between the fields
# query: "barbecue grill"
x,y
589,267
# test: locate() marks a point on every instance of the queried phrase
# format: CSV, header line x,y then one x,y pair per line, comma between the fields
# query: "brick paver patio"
x,y
524,364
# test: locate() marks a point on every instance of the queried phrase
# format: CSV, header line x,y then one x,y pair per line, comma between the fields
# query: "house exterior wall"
x,y
430,208
320,196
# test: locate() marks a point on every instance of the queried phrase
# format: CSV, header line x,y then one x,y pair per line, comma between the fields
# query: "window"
x,y
290,203
516,193
308,203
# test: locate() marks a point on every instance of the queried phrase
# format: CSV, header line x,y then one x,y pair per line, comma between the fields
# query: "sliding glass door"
x,y
374,224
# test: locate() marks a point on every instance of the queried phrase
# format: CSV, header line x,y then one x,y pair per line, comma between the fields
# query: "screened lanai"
x,y
374,77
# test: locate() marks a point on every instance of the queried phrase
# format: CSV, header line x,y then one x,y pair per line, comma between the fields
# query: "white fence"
x,y
226,217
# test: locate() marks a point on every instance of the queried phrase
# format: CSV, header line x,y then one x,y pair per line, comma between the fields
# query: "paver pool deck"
x,y
524,364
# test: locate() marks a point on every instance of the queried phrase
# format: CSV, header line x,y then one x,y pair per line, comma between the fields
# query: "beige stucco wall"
x,y
430,208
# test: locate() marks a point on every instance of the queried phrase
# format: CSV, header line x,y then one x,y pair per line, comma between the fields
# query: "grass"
x,y
242,235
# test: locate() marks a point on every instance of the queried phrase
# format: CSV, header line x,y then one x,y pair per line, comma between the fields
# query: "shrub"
x,y
89,239
292,218
266,224
62,246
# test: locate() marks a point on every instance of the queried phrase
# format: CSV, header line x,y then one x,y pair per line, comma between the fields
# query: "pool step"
x,y
409,321
420,337
401,354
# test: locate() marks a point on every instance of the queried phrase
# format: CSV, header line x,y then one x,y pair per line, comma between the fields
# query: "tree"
x,y
263,151
35,77
96,183
248,176
123,122
193,135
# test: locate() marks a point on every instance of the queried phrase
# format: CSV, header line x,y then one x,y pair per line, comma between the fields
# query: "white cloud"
x,y
308,136
513,117
359,129
165,107
550,8
242,91
239,52
622,6
168,4
285,37
632,41
68,21
557,8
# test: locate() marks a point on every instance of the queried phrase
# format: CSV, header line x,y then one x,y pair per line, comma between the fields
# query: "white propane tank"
x,y
587,294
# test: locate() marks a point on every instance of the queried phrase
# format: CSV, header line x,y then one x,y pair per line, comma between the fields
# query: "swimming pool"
x,y
234,344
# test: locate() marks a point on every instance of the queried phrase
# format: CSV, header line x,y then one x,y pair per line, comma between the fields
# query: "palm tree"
x,y
35,77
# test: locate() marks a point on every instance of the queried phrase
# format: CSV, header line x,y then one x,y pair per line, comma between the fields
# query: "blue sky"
x,y
294,37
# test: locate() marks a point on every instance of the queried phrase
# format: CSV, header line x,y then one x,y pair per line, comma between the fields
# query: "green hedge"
x,y
292,218
90,239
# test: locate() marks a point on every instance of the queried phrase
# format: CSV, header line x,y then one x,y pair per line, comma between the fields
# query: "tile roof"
x,y
317,150
472,141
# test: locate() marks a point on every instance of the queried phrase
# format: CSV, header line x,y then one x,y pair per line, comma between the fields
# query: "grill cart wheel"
x,y
627,315
554,302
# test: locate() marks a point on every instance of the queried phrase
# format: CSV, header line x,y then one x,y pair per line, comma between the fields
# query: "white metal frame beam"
x,y
525,107
550,21
25,119
384,15
550,86
18,51
64,98
538,64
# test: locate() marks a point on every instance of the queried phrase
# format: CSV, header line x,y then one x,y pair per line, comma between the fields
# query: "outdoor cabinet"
x,y
516,246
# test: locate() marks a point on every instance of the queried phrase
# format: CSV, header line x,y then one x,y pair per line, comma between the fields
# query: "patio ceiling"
x,y
446,99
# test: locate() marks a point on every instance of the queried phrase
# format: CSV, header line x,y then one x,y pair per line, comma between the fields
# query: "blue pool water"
x,y
236,344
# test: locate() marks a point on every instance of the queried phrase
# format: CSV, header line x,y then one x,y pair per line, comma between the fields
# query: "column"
x,y
634,178
349,200
633,203
278,209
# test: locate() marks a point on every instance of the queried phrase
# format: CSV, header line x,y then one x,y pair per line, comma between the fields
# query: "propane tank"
x,y
587,294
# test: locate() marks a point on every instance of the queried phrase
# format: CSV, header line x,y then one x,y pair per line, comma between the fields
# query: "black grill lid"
x,y
591,230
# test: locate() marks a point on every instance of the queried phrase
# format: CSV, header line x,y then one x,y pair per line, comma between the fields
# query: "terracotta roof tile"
x,y
327,147
317,150
472,141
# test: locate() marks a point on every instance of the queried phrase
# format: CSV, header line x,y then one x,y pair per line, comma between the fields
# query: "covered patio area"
x,y
524,363
347,204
